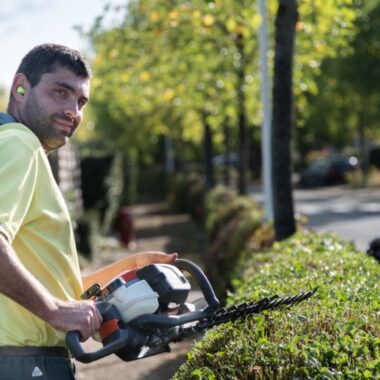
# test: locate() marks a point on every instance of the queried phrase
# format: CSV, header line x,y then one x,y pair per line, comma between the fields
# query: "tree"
x,y
171,67
344,107
323,33
182,68
286,19
325,27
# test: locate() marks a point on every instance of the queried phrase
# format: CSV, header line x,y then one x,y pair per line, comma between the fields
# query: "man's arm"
x,y
137,260
22,287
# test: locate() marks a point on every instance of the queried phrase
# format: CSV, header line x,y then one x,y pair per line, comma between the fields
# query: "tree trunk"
x,y
286,19
227,152
210,180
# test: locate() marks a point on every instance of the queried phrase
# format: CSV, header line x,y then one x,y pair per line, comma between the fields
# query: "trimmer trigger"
x,y
93,291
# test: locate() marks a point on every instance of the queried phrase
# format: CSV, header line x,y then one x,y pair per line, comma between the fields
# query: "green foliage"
x,y
168,67
334,335
169,63
231,222
238,207
262,239
346,94
219,195
187,194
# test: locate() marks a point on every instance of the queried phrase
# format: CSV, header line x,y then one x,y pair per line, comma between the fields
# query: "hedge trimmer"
x,y
145,310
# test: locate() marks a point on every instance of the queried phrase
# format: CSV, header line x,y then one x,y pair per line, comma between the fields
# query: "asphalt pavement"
x,y
352,214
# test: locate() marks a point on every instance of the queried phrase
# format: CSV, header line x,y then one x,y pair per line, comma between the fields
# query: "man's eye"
x,y
60,92
82,102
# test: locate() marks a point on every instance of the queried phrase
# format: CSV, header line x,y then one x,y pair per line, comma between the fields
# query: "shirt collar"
x,y
5,118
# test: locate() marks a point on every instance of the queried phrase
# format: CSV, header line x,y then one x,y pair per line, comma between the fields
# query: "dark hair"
x,y
47,58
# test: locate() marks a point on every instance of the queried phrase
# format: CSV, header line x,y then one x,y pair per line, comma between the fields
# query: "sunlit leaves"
x,y
347,94
174,54
166,59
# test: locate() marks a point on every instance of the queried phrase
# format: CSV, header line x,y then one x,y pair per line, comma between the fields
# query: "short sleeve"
x,y
18,173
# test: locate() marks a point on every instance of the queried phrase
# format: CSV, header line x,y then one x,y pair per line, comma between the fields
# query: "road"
x,y
353,214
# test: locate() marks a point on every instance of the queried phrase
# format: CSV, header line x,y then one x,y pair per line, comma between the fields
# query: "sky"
x,y
27,23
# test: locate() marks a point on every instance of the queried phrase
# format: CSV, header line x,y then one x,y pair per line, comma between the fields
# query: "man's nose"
x,y
72,110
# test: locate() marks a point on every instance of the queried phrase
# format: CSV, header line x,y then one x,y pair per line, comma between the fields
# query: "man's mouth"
x,y
66,126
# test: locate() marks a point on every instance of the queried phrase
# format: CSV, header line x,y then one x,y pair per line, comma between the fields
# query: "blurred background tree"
x,y
317,21
344,108
177,83
183,70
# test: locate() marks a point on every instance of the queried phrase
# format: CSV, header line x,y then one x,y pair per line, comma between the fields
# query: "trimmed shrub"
x,y
262,239
218,196
231,222
334,335
187,194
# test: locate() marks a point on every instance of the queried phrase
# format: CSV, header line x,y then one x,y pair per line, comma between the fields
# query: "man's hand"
x,y
146,258
82,316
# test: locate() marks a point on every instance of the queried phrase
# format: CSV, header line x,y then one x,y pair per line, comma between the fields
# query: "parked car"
x,y
328,171
221,159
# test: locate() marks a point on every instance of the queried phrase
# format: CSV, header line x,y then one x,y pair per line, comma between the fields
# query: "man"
x,y
40,282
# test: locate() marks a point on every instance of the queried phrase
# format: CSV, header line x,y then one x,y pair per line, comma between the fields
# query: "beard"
x,y
42,124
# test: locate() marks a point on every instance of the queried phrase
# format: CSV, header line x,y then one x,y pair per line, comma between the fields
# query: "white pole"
x,y
266,147
169,159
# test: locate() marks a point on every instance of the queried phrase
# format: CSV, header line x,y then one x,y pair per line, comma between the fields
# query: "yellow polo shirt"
x,y
35,221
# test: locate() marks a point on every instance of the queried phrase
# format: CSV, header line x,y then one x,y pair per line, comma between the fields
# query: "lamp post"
x,y
266,154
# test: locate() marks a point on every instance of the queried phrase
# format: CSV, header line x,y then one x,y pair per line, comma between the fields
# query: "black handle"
x,y
74,345
202,281
127,336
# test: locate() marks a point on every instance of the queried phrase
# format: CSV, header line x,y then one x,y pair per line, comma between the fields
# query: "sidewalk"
x,y
158,229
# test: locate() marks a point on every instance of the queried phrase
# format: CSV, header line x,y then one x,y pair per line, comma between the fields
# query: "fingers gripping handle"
x,y
76,348
126,337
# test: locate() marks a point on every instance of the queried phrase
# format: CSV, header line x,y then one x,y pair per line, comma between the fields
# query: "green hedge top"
x,y
334,335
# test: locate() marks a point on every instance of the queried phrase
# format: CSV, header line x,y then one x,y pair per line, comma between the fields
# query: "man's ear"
x,y
20,87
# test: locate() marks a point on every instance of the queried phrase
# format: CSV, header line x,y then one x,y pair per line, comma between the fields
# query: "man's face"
x,y
53,109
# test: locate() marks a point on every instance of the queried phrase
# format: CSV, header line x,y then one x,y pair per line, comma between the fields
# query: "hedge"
x,y
186,194
233,223
334,335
